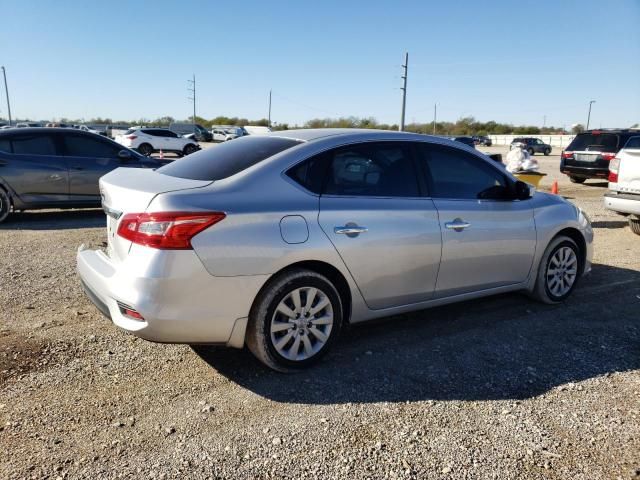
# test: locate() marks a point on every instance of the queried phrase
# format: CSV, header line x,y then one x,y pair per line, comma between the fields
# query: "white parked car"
x,y
147,140
256,130
623,196
224,134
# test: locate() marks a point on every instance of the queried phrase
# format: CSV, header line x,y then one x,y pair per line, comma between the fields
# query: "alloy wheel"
x,y
301,323
562,271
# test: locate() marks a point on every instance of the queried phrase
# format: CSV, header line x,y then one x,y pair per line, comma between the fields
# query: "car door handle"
x,y
458,225
350,230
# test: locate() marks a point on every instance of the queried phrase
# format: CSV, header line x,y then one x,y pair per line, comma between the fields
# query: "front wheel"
x,y
634,225
189,149
294,320
558,271
5,205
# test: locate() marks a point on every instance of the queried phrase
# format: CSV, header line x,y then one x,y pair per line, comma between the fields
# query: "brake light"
x,y
608,156
131,137
614,168
567,155
166,230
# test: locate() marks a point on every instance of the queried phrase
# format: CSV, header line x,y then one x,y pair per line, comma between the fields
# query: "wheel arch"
x,y
326,269
575,235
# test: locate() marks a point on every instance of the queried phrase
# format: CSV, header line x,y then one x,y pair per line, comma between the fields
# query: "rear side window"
x,y
372,169
33,145
227,158
603,142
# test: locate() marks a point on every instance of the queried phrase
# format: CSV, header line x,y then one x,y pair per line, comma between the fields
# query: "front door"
x,y
488,240
88,159
386,232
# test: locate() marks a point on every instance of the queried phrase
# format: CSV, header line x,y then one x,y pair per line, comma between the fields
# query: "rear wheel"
x,y
547,151
577,179
294,320
189,149
558,271
634,224
145,149
5,205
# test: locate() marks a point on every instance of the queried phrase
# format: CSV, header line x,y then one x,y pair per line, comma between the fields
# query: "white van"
x,y
256,130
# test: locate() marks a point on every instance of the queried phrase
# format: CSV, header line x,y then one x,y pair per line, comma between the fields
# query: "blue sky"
x,y
504,60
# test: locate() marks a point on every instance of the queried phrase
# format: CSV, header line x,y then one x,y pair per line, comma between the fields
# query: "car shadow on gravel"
x,y
502,347
610,224
55,220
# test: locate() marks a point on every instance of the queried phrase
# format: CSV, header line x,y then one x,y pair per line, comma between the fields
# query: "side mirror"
x,y
124,155
524,191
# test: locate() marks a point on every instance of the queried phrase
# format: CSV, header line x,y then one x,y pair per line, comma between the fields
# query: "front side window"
x,y
455,174
372,169
33,145
82,146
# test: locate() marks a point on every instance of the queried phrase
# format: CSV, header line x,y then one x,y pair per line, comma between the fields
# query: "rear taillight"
x,y
131,137
614,168
567,155
166,230
608,156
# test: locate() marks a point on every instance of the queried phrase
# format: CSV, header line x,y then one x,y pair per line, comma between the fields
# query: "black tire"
x,y
189,149
634,225
5,205
547,151
531,151
541,291
259,337
145,149
577,179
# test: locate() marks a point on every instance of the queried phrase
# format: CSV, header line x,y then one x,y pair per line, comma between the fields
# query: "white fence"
x,y
553,140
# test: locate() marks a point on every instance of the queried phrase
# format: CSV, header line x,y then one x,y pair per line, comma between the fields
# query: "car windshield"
x,y
597,142
227,159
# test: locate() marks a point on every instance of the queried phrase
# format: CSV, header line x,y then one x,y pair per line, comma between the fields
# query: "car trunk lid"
x,y
131,190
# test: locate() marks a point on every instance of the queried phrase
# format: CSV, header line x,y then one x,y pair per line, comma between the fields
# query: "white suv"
x,y
148,140
623,196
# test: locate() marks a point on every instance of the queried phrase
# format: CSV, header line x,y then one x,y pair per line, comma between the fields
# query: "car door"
x,y
35,170
488,239
169,140
88,158
383,227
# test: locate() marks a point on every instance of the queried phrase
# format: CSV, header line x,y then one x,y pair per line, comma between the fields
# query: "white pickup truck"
x,y
623,196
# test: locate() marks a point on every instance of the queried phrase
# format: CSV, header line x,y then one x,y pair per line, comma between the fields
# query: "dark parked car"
x,y
466,140
57,168
589,153
482,140
199,133
531,145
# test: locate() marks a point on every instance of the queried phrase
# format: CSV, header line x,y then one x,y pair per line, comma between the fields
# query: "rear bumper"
x,y
595,171
180,302
622,202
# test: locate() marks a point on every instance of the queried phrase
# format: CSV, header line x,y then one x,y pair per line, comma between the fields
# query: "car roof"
x,y
311,134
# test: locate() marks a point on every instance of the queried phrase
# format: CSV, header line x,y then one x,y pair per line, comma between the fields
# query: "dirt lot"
x,y
496,388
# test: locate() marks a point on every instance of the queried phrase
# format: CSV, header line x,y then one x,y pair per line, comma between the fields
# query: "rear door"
x,y
385,230
487,242
35,170
88,159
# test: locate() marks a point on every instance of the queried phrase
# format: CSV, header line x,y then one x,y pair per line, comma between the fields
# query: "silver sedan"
x,y
279,241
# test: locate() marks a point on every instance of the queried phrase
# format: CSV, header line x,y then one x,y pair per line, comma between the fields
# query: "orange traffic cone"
x,y
554,188
162,155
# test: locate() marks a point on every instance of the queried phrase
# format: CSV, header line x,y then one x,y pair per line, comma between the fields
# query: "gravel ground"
x,y
496,388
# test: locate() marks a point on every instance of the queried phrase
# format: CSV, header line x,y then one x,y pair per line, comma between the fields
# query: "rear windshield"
x,y
228,158
602,142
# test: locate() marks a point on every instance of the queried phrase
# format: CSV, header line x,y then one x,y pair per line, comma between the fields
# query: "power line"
x,y
192,89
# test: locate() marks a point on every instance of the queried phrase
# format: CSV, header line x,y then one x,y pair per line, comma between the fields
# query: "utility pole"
x,y
404,90
192,89
544,121
6,91
435,116
589,116
269,108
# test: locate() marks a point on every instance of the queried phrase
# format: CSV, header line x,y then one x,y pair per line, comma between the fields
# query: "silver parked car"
x,y
278,241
